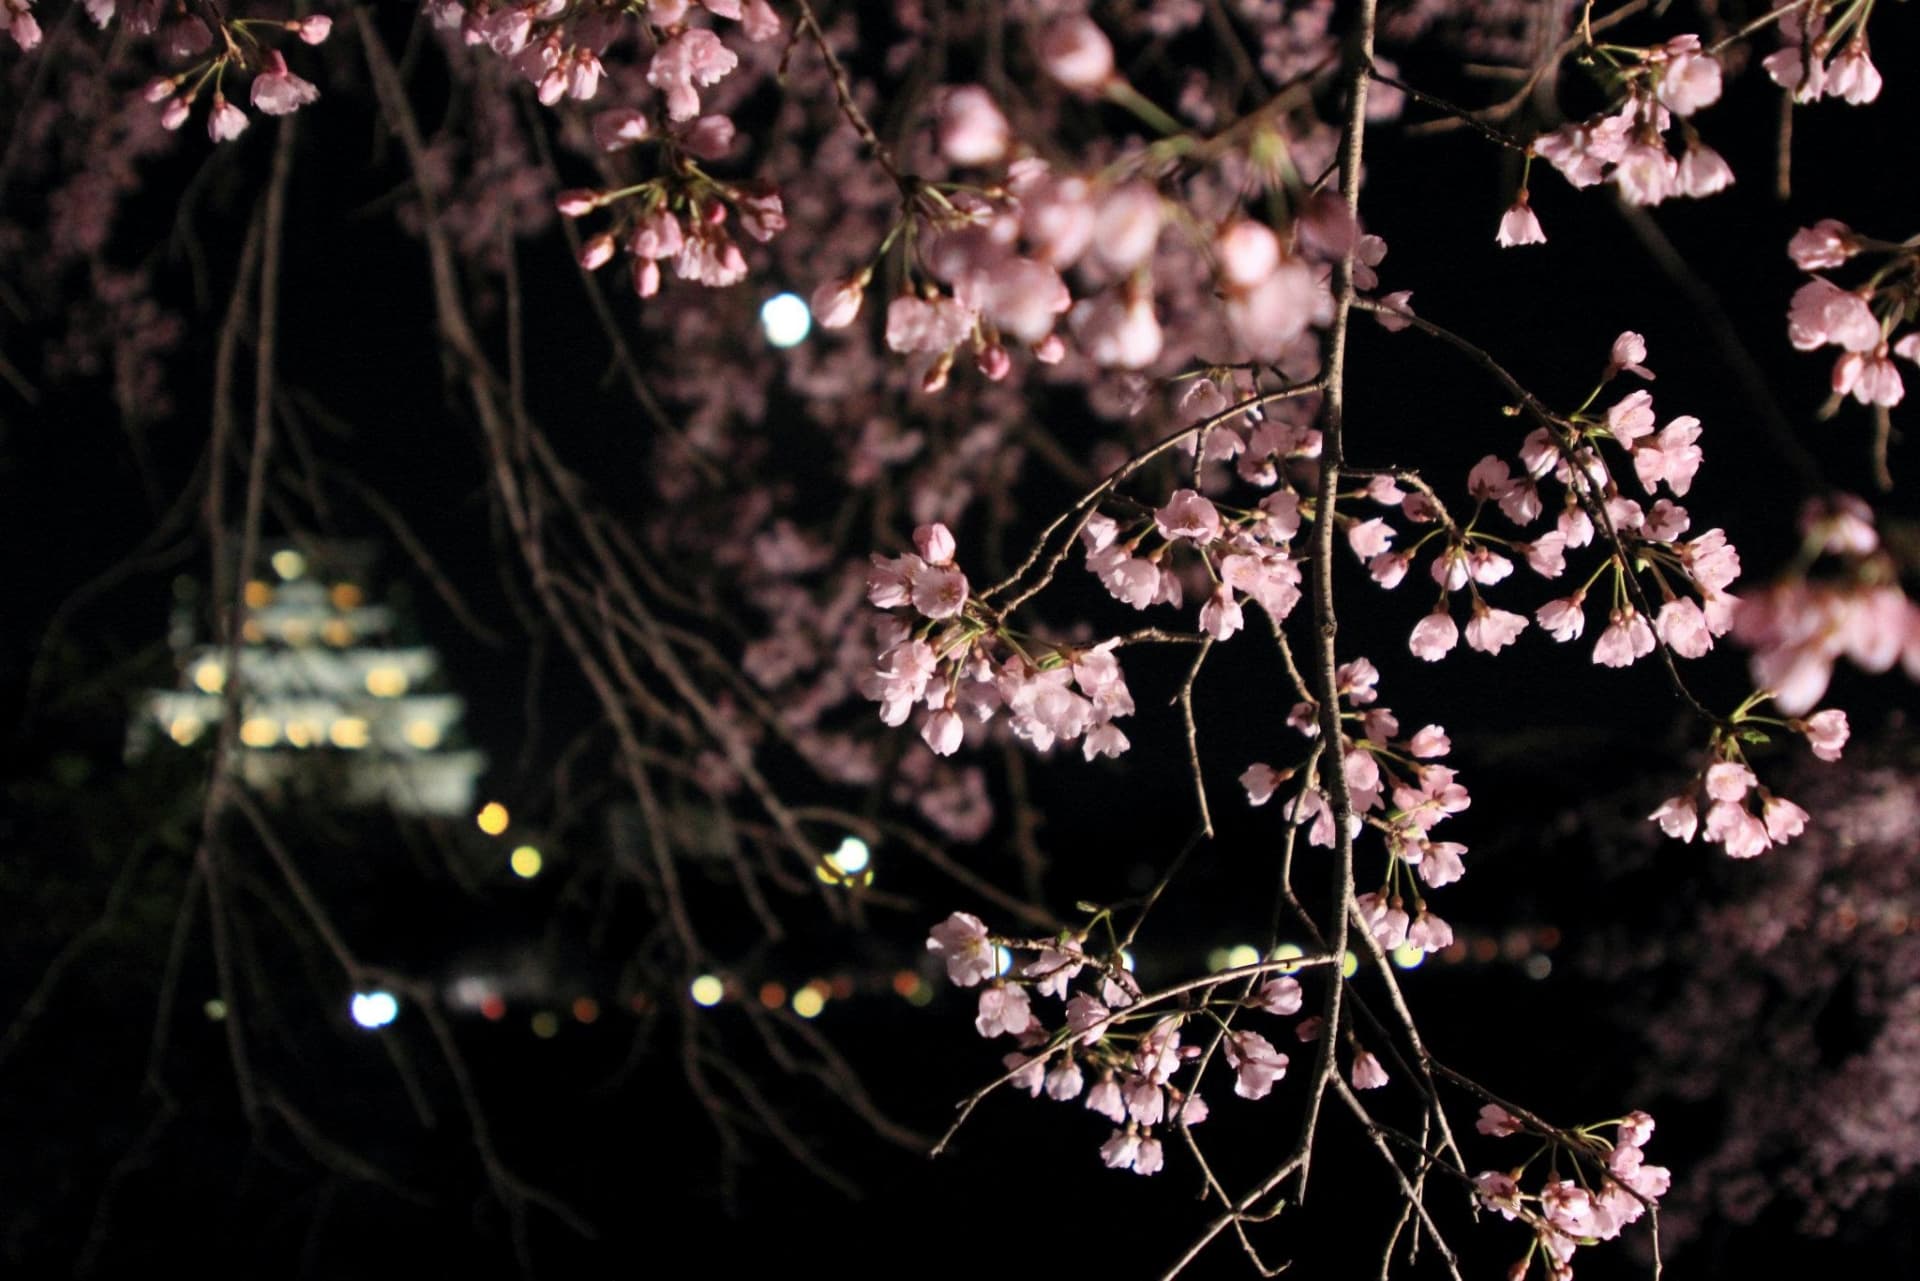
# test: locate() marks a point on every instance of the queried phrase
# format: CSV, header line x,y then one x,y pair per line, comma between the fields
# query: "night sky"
x,y
124,1140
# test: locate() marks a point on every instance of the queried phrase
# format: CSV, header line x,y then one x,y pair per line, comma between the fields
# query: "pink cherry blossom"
x,y
1434,636
1870,378
1626,639
1190,516
1086,1018
1628,354
1852,75
943,732
961,940
1064,1081
1683,628
1821,247
1519,226
1783,819
1105,1098
693,57
1498,1191
1826,733
1678,817
1687,78
226,121
277,91
1004,1010
1492,630
1281,996
1703,171
1367,1074
940,591
1221,616
1823,313
1256,1063
1496,1121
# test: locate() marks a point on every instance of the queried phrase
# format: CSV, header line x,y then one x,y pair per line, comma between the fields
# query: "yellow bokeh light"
x,y
337,632
1408,957
492,818
210,678
386,681
707,990
1242,954
1287,952
252,633
258,595
185,729
525,862
424,735
808,1002
259,731
346,596
546,1024
349,732
300,734
1349,965
288,563
297,631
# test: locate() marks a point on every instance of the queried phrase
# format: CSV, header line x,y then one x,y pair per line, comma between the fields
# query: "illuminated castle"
x,y
329,705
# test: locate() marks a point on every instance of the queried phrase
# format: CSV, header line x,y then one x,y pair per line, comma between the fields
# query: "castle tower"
x,y
330,705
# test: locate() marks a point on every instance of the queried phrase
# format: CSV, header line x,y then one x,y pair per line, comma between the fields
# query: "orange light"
x,y
906,983
346,596
492,1007
586,1009
773,995
258,595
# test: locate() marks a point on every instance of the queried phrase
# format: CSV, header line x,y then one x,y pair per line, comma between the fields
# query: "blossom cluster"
x,y
1110,1044
1841,598
1861,322
1396,787
963,664
1806,62
1691,575
213,52
1611,1186
1633,145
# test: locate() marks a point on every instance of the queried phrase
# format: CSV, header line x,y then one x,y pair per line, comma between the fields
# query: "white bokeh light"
x,y
786,319
852,856
374,1009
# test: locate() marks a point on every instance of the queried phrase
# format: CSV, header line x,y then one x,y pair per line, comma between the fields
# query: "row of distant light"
x,y
382,680
1528,948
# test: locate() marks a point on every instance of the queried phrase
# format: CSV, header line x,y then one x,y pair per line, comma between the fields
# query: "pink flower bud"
x,y
646,277
313,30
226,121
1078,54
577,202
1248,253
620,127
597,252
174,114
993,361
158,90
971,130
